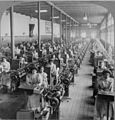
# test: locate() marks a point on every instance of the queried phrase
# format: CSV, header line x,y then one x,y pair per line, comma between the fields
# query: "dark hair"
x,y
33,68
51,60
106,71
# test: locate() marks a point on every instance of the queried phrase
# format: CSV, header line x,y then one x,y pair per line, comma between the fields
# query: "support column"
x,y
99,32
0,33
52,21
39,36
113,14
114,54
80,30
69,31
66,30
72,30
12,33
106,34
76,31
60,27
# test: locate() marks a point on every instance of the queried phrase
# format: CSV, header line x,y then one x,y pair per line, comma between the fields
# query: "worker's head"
x,y
51,61
4,59
41,69
34,70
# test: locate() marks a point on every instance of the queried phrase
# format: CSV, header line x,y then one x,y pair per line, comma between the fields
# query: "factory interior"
x,y
57,60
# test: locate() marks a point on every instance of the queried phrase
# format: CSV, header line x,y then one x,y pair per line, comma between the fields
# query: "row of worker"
x,y
103,85
66,73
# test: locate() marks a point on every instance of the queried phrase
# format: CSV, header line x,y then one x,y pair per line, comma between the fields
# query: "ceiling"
x,y
28,8
77,10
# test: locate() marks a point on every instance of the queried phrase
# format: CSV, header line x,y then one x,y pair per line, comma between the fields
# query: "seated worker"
x,y
54,57
43,77
103,64
22,62
32,47
67,58
34,55
5,77
44,52
71,53
105,84
6,65
50,49
53,72
17,52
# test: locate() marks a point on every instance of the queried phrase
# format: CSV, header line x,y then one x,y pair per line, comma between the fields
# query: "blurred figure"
x,y
6,65
17,52
22,62
34,55
43,77
53,72
44,52
33,78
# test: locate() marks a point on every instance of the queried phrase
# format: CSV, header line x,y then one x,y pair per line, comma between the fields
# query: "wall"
x,y
21,27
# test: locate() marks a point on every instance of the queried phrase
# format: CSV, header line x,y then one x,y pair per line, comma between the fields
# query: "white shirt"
x,y
17,51
33,79
35,55
43,79
6,66
53,69
44,52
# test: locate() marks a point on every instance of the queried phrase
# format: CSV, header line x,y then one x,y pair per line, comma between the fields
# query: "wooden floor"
x,y
78,107
81,104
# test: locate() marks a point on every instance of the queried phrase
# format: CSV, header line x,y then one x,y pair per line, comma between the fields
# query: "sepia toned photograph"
x,y
57,59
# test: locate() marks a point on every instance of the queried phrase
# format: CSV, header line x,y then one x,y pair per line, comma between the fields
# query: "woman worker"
x,y
43,78
105,84
33,79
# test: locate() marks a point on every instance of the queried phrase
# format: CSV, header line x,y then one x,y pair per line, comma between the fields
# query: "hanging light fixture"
x,y
41,11
85,17
56,17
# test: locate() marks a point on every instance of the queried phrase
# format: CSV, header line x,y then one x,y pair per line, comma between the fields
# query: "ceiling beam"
x,y
103,19
50,3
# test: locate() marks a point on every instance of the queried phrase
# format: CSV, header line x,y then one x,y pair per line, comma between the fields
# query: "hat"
x,y
3,57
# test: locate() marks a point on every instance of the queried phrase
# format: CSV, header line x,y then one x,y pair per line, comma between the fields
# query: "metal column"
x,y
69,31
12,33
60,27
52,21
39,36
66,31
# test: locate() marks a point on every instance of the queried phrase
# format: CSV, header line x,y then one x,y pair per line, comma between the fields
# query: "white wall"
x,y
21,25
